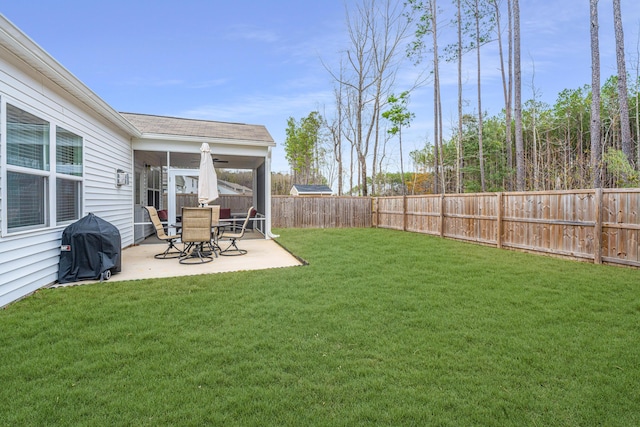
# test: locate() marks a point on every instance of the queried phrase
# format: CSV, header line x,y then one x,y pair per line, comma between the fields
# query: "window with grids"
x,y
69,170
68,152
30,180
26,200
27,140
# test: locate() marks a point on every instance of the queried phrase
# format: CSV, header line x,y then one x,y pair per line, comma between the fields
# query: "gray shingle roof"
x,y
312,189
198,128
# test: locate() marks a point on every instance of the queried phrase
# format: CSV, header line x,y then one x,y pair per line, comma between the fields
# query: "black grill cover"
x,y
90,246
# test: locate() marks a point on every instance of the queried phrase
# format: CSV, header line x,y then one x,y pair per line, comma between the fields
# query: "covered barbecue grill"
x,y
90,250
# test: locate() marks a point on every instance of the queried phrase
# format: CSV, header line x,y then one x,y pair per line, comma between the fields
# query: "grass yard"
x,y
381,328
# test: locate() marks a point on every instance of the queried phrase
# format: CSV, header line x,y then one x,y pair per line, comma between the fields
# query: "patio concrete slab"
x,y
138,262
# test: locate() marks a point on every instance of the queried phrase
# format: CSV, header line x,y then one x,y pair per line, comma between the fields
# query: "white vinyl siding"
x,y
29,259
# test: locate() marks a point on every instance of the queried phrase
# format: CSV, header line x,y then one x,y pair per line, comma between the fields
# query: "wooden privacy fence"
x,y
299,212
320,212
602,226
597,225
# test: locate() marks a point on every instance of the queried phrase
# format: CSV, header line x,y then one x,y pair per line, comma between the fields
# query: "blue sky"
x,y
259,62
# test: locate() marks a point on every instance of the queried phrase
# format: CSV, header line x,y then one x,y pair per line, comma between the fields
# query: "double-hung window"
x,y
69,175
44,172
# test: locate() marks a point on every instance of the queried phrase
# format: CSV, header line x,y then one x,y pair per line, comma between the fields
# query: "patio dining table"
x,y
216,231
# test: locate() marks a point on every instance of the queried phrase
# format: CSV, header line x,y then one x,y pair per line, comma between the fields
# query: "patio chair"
x,y
172,250
237,220
196,234
232,238
215,214
215,228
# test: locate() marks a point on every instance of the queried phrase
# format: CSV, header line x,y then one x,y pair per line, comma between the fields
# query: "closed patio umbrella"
x,y
207,178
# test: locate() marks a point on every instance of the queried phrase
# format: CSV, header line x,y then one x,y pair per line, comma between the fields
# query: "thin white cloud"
x,y
207,83
154,82
151,82
262,106
252,33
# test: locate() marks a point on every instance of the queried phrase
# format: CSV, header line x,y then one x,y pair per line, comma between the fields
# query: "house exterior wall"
x,y
29,259
34,82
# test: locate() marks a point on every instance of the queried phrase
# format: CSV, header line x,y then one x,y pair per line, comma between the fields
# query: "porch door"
x,y
173,188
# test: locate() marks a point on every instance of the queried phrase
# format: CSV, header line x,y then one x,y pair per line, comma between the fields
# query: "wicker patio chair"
x,y
233,238
196,234
172,250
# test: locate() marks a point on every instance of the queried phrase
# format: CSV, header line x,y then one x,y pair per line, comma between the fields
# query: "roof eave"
x,y
207,139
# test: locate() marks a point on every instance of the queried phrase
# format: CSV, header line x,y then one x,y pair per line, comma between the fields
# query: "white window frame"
x,y
67,177
50,175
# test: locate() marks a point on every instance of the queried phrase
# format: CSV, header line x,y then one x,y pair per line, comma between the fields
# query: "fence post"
x,y
597,229
376,216
404,212
499,224
442,204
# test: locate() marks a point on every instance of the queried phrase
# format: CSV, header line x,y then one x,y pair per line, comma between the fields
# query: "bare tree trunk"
x,y
567,154
437,114
351,158
459,146
596,153
436,135
581,158
336,135
510,95
517,102
625,127
338,151
534,133
480,148
376,142
637,107
439,100
364,189
506,82
534,155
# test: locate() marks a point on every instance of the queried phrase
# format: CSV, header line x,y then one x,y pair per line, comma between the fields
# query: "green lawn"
x,y
381,328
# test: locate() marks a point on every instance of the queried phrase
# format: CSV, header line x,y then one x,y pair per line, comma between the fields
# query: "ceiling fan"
x,y
195,161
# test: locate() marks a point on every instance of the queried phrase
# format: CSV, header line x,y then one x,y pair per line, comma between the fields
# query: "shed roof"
x,y
312,189
164,125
